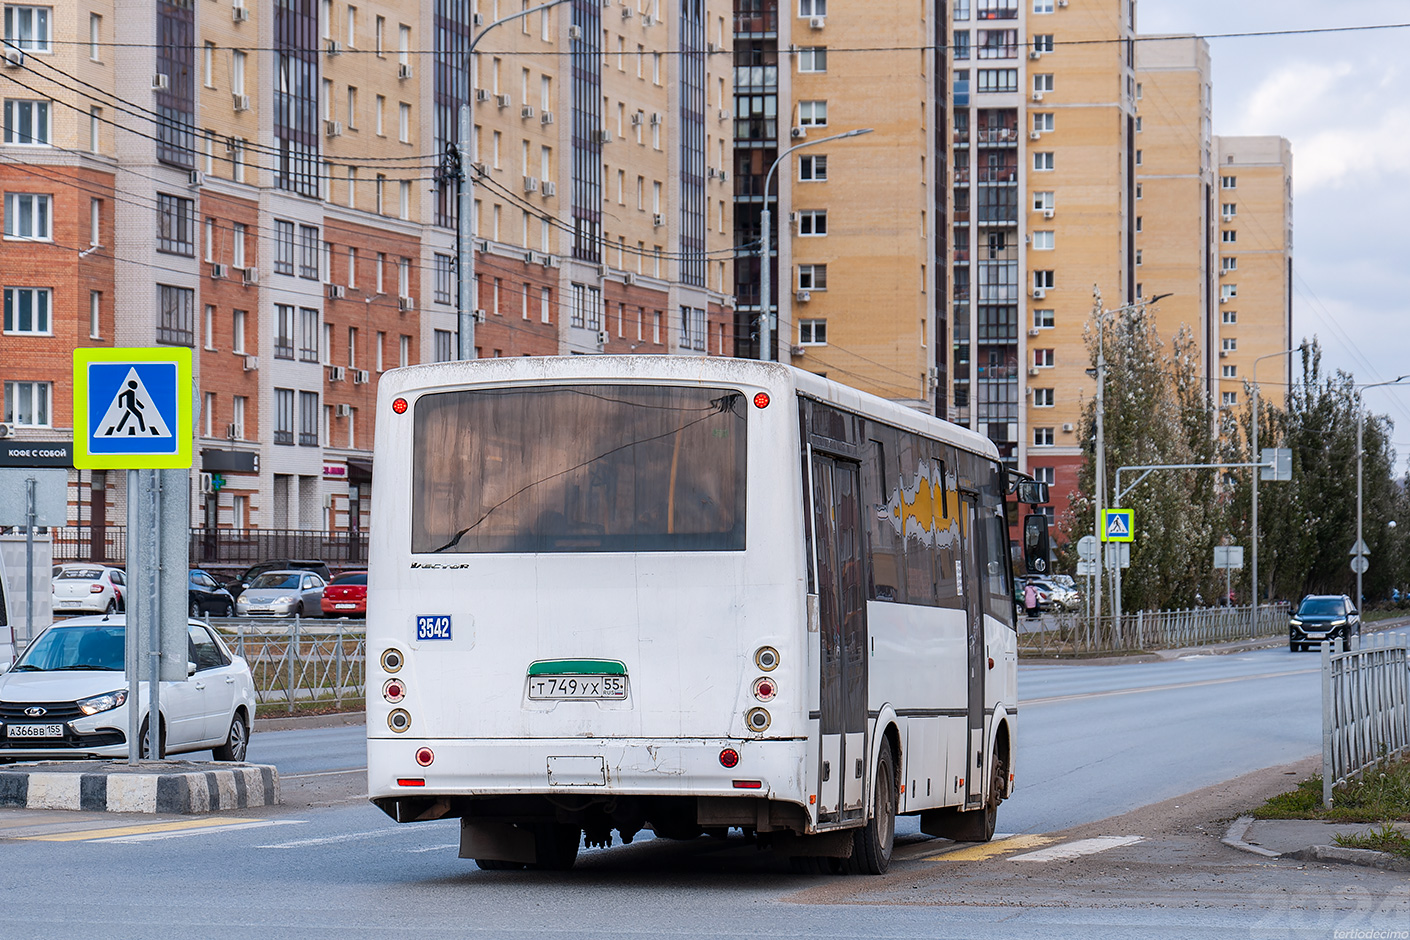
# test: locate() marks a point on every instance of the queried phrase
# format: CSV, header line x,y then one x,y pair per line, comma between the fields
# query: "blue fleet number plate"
x,y
577,688
433,627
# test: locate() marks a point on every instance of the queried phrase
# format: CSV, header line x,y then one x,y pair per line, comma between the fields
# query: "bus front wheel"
x,y
871,851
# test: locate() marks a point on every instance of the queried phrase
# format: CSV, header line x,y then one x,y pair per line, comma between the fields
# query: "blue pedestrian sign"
x,y
1118,525
132,408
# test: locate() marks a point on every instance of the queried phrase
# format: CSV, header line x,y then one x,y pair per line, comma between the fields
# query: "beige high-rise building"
x,y
1255,265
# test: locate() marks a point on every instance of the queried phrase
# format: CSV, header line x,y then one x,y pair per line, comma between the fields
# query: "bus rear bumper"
x,y
680,767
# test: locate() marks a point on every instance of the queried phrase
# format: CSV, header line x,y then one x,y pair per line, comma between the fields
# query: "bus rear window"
x,y
584,468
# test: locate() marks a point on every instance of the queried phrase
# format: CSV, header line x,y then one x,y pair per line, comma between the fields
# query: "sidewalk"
x,y
1310,840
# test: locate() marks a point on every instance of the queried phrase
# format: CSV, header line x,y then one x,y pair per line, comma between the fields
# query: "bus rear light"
x,y
765,689
411,781
729,757
761,399
766,658
425,756
758,719
399,720
394,690
392,660
399,406
748,784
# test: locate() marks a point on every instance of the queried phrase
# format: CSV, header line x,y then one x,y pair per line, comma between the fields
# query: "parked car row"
x,y
1052,593
278,588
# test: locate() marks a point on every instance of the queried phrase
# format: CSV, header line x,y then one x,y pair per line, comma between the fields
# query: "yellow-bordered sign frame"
x,y
1129,515
175,451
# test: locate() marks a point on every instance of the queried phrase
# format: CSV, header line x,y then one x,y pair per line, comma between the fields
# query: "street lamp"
x,y
1358,560
766,339
464,251
1101,447
1255,457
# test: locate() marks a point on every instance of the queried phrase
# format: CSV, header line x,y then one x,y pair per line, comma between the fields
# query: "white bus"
x,y
683,594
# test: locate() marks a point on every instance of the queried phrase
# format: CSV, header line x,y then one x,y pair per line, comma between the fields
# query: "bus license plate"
x,y
35,731
578,688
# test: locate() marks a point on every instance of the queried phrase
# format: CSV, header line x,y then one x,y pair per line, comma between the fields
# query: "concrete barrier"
x,y
179,787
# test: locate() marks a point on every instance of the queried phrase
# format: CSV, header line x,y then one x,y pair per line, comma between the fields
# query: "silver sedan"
x,y
282,594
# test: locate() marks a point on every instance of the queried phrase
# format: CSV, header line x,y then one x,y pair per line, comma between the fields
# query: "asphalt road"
x,y
1094,741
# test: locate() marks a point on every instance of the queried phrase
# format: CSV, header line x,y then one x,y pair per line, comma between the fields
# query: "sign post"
x,y
133,411
1228,557
33,498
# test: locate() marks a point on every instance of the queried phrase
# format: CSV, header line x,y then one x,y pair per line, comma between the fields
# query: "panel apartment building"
x,y
267,183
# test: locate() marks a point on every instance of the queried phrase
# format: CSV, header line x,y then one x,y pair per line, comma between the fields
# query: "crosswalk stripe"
x,y
985,850
1076,849
330,840
184,833
203,823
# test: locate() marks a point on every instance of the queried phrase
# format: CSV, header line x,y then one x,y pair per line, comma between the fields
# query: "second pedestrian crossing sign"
x,y
132,408
1118,525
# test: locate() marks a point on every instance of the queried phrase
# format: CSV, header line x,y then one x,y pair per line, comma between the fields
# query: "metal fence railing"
x,y
217,548
1365,706
293,661
1076,634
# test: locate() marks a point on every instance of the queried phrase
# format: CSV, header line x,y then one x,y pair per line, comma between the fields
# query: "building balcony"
x,y
755,22
997,135
998,174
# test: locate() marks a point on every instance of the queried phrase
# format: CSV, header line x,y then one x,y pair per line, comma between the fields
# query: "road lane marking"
x,y
330,840
82,834
1077,696
184,833
1076,849
325,773
976,853
435,848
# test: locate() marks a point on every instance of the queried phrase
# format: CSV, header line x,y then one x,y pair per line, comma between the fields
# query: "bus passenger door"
x,y
842,639
971,551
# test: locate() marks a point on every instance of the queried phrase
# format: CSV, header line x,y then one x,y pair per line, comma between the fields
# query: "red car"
x,y
346,595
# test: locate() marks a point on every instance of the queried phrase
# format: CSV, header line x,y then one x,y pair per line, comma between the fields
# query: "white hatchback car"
x,y
66,696
98,588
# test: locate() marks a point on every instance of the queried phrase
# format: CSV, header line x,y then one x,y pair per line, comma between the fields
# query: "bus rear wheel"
x,y
871,850
557,846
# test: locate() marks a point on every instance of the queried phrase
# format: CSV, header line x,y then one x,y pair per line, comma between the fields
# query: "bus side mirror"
x,y
1033,492
1035,543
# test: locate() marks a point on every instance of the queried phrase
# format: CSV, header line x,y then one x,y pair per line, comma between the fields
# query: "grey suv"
x,y
1322,617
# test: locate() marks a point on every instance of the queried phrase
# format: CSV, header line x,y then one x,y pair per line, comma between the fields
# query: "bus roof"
x,y
705,370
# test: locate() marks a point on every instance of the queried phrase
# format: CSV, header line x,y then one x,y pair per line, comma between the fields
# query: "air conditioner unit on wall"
x,y
526,111
337,292
250,276
1047,213
333,128
251,363
336,373
240,13
1068,427
219,272
658,220
1039,293
233,432
1034,54
241,102
1035,135
795,350
160,81
803,296
14,58
602,337
546,117
404,70
549,188
531,184
361,377
502,101
334,47
482,94
637,118
342,411
817,22
798,132
406,303
1037,96
1032,370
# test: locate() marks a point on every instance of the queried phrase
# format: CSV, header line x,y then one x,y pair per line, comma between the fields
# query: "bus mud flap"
x,y
501,841
836,844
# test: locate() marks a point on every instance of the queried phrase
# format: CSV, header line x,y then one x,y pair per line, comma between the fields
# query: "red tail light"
x,y
729,757
425,756
411,781
95,589
748,784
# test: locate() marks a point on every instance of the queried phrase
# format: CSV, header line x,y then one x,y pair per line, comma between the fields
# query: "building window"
x,y
1042,398
997,43
811,8
27,310
1042,6
546,305
959,45
26,122
283,247
1043,42
812,59
812,332
310,252
1229,399
693,327
1229,344
1228,264
1229,372
27,404
284,416
27,28
176,315
1229,316
237,331
812,113
1043,241
961,10
1228,182
1043,201
308,419
28,216
812,277
283,331
176,225
1140,191
404,122
1229,210
444,349
1042,358
1140,223
812,222
1228,236
208,328
812,168
1043,82
308,335
1043,121
1042,437
445,280
1043,280
1043,160
1042,319
998,80
1228,292
404,350
1140,156
95,310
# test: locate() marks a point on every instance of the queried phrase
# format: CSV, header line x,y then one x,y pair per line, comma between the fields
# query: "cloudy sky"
x,y
1343,99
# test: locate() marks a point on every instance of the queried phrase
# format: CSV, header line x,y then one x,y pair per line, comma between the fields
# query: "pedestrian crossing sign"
x,y
132,408
1118,525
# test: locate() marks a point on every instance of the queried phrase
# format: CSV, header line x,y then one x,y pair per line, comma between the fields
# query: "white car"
x,y
66,696
98,588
